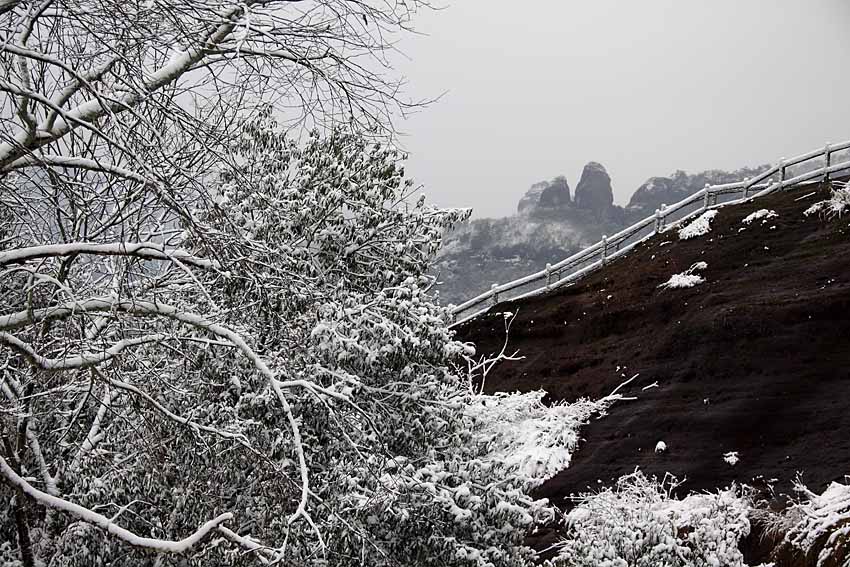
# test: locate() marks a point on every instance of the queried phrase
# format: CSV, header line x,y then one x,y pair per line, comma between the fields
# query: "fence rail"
x,y
610,248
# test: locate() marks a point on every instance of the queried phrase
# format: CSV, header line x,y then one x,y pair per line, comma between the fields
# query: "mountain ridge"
x,y
551,224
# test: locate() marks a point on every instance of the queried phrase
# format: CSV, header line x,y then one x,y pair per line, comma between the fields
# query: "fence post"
x,y
781,173
746,187
657,221
604,248
827,161
548,275
706,197
494,297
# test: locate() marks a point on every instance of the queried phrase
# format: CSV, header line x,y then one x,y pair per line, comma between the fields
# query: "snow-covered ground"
x,y
687,278
761,214
698,227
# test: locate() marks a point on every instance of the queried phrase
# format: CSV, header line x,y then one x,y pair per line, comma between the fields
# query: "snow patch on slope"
x,y
761,214
686,279
699,227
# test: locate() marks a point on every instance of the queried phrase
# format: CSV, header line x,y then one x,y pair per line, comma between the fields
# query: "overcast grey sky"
x,y
538,88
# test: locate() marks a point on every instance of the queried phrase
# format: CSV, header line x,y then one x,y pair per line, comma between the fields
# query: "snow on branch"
x,y
146,250
75,362
534,439
106,524
77,163
263,553
147,308
194,425
89,111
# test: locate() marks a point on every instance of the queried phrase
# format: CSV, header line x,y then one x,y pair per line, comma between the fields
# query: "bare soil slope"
x,y
755,360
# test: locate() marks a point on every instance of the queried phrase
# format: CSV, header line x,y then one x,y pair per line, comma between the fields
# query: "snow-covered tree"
x,y
217,344
264,379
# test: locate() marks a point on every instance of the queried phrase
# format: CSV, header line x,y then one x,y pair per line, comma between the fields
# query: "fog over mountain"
x,y
553,222
526,92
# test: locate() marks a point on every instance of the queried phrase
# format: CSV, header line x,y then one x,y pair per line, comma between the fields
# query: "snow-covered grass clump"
x,y
731,458
837,205
678,281
687,278
527,436
761,214
823,525
698,227
639,523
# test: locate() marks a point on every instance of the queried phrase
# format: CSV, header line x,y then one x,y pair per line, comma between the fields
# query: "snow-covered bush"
x,y
699,226
836,206
638,523
686,279
821,525
525,435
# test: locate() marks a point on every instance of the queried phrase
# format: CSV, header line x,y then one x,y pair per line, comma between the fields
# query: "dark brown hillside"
x,y
755,360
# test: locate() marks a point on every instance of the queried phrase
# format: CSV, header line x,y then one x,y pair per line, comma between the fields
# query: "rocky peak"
x,y
532,197
668,190
546,195
655,191
594,189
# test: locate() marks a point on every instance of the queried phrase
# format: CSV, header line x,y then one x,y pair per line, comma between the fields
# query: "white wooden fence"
x,y
609,248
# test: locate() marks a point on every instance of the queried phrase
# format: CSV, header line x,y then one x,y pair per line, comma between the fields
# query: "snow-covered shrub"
x,y
822,525
761,214
638,523
687,278
683,280
699,226
836,206
525,435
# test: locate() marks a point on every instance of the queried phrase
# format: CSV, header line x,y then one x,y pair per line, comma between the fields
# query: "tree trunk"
x,y
24,543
